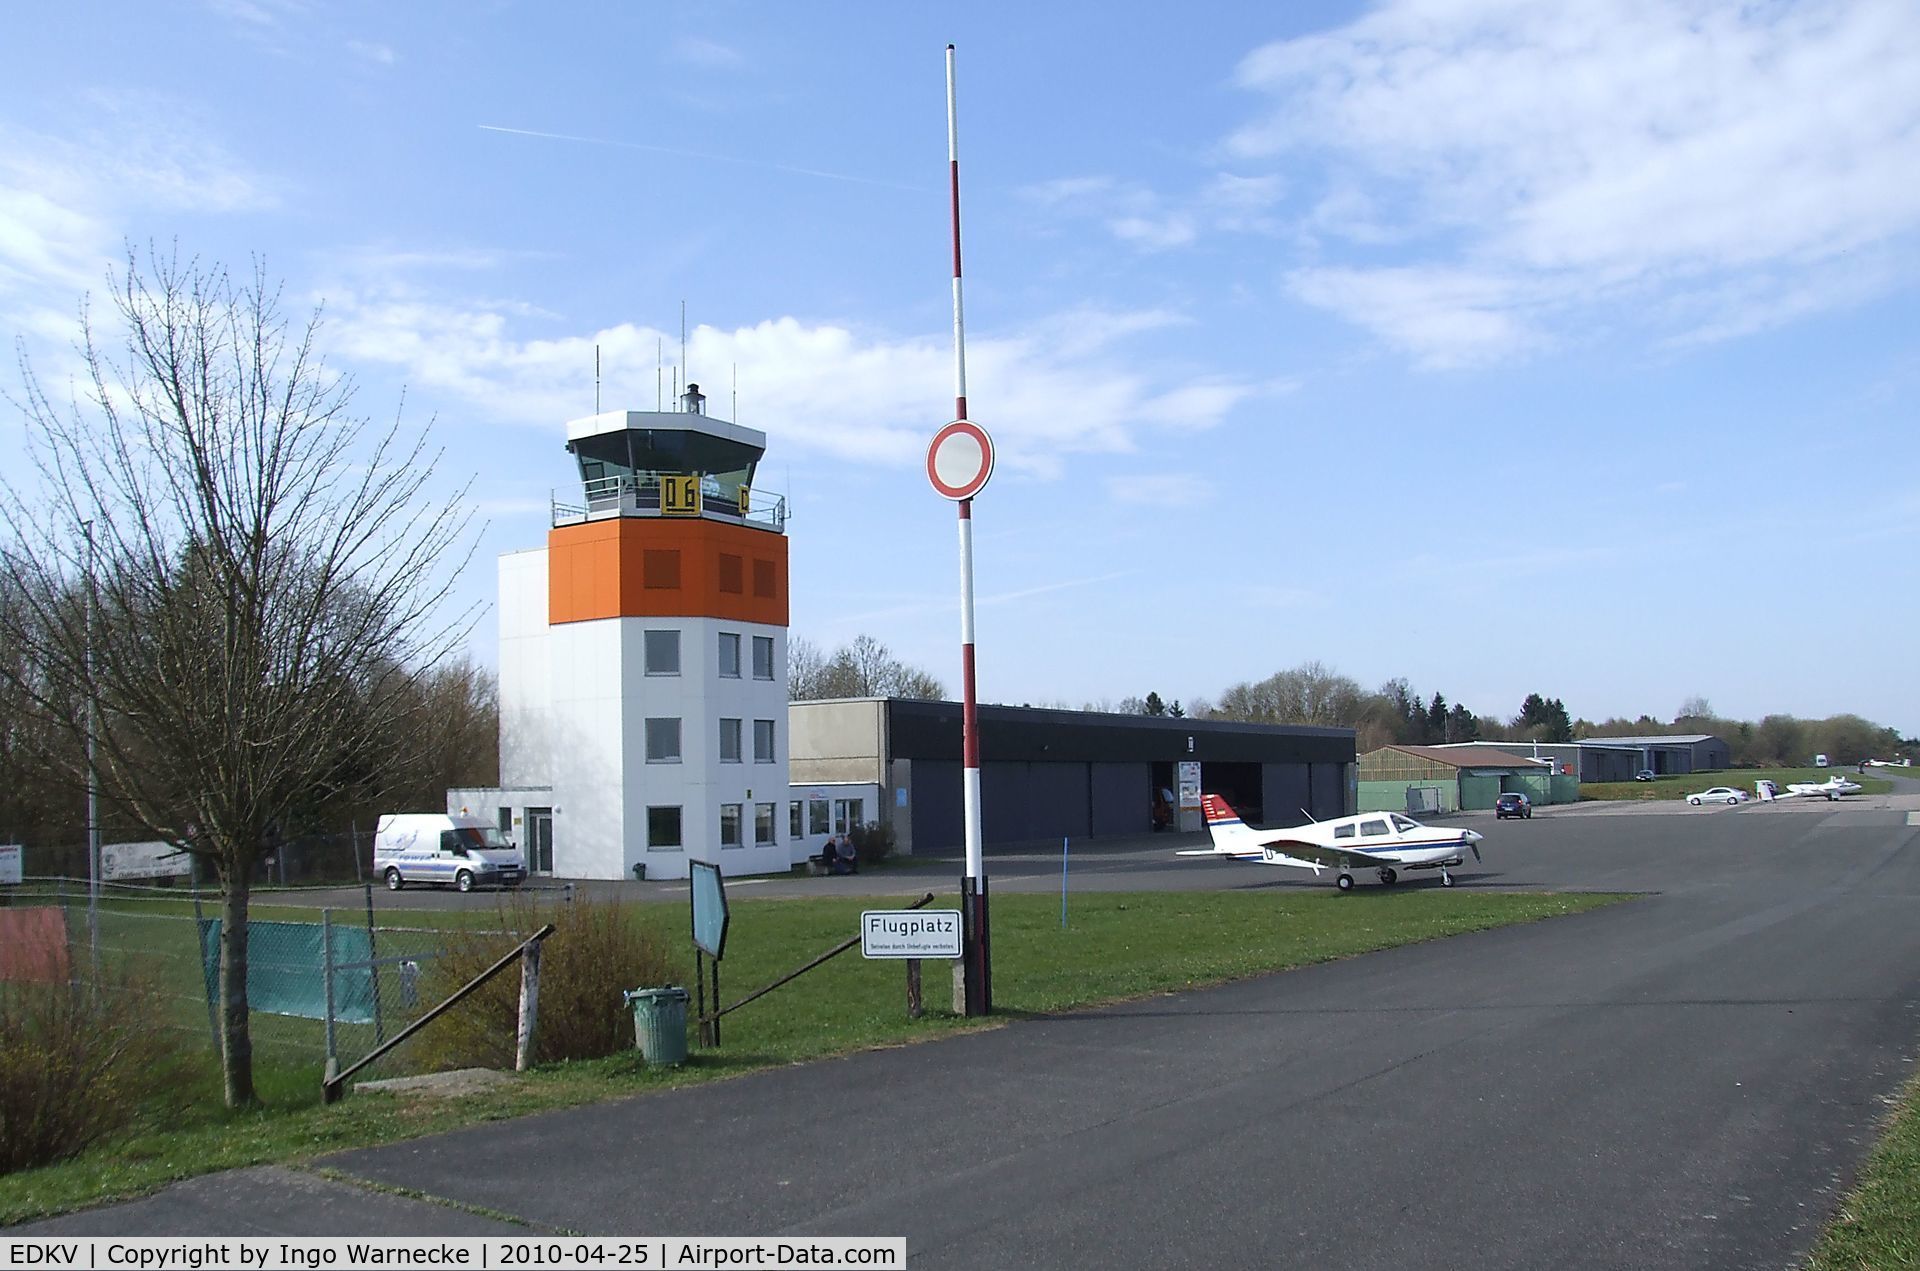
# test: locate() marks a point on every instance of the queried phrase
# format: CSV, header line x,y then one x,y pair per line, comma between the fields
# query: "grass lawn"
x,y
1739,778
1878,1225
1114,946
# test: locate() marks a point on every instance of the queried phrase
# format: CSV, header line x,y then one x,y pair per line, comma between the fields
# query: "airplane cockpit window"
x,y
1403,824
1373,827
1343,831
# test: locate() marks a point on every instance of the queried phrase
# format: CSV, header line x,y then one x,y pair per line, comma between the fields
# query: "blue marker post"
x,y
1063,883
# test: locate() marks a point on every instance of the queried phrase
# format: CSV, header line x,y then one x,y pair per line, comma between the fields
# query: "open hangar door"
x,y
1240,785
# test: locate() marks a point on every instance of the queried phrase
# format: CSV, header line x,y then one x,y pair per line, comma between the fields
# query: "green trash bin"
x,y
660,1024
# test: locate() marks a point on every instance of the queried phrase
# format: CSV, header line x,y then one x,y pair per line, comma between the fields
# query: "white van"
x,y
432,847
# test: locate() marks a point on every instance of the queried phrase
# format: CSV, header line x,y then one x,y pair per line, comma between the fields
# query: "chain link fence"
x,y
323,981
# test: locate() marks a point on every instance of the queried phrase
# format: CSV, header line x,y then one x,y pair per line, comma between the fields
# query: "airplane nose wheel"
x,y
1388,877
1446,879
1344,882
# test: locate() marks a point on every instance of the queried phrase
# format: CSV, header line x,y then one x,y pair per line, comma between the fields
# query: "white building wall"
x,y
526,688
588,756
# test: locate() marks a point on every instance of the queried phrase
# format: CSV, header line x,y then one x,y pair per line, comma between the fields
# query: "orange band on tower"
x,y
656,567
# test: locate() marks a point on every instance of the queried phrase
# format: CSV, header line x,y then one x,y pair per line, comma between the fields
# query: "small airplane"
x,y
1372,840
1830,789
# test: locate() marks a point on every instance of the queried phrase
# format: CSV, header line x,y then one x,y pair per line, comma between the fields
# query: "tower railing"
x,y
608,497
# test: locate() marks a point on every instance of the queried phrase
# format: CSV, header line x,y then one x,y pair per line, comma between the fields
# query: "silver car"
x,y
1719,794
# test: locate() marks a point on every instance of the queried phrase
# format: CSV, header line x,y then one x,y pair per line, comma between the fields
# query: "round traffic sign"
x,y
960,459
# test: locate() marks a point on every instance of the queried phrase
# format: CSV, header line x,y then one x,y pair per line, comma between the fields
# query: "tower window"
x,y
730,655
763,657
663,653
763,741
663,741
663,827
729,741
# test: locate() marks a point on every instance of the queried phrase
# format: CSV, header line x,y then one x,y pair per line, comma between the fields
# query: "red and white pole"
x,y
976,955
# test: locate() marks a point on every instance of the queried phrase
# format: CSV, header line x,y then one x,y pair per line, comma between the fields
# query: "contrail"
x,y
710,158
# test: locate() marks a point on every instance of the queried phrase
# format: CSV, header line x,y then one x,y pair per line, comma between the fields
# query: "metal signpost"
x,y
958,464
709,898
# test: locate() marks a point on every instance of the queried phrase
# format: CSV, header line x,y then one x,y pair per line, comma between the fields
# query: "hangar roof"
x,y
1454,758
1682,739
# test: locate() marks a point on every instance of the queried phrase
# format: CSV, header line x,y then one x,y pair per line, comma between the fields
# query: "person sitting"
x,y
846,855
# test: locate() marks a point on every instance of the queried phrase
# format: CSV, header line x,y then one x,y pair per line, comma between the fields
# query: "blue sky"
x,y
1504,346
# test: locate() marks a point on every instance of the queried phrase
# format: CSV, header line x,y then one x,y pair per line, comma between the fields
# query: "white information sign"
x,y
1189,785
121,861
910,933
11,868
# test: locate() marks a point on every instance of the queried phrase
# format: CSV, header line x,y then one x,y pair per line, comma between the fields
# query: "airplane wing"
x,y
1316,856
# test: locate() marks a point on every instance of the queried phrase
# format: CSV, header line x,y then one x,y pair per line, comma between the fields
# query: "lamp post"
x,y
93,778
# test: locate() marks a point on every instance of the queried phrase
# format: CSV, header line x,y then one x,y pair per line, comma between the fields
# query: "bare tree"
x,y
806,670
242,578
864,668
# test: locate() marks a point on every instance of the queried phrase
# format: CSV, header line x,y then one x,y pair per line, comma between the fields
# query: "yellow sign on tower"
x,y
680,496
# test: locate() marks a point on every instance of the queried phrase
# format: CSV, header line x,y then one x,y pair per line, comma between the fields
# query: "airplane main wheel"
x,y
1344,882
1388,877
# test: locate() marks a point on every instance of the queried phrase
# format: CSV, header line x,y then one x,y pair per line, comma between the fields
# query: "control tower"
x,y
643,659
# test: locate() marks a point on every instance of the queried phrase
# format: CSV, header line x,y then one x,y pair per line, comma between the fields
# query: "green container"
x,y
660,1024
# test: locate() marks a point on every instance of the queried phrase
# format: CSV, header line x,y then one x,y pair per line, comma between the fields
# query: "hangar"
x,y
1460,779
1052,774
1587,760
1690,752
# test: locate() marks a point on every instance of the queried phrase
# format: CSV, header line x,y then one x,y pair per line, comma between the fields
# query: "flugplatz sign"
x,y
910,933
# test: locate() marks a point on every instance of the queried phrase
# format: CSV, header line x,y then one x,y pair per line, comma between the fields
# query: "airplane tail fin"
x,y
1224,826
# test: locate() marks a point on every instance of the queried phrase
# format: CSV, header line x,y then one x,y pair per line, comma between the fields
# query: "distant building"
x,y
1585,760
1692,752
1461,778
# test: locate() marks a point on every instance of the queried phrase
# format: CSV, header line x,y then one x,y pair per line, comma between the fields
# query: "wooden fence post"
x,y
529,1006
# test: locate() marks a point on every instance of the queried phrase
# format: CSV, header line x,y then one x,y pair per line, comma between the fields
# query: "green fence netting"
x,y
286,969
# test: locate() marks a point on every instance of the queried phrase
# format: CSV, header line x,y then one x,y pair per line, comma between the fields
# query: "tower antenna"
x,y
685,375
596,379
659,371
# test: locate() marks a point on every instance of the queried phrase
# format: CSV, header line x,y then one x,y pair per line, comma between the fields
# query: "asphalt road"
x,y
1688,1080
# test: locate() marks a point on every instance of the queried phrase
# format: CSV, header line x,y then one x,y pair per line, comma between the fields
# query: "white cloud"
x,y
1627,150
1141,218
372,51
1444,317
696,51
65,201
1058,389
1158,489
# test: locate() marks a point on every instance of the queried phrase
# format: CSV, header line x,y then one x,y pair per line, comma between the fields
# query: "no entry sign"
x,y
960,459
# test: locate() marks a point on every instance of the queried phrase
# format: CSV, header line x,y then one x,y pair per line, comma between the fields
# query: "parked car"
x,y
1645,774
1719,794
1512,805
427,847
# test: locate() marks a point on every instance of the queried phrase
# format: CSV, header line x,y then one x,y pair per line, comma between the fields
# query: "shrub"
x,y
78,1066
873,841
598,950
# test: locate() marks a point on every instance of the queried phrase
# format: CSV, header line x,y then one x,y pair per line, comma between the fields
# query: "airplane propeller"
x,y
1476,852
